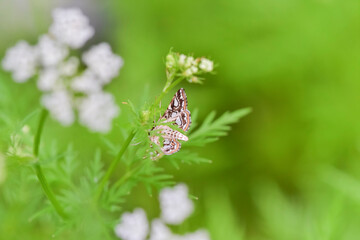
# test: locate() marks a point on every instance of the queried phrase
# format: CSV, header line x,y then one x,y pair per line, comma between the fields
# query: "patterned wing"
x,y
177,111
170,146
170,137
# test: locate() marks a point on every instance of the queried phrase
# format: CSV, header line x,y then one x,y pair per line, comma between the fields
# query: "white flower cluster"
x,y
175,204
133,226
188,66
71,27
65,89
21,60
175,208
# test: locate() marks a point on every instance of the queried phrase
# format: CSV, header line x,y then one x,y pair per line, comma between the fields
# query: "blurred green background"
x,y
289,170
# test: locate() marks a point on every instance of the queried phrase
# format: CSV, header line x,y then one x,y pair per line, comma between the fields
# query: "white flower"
x,y
190,61
206,65
175,204
51,52
21,60
101,60
86,83
59,105
70,67
159,231
182,59
97,111
133,226
194,69
170,61
48,79
71,27
190,71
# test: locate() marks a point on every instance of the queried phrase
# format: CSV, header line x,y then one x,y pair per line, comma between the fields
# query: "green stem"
x,y
166,89
37,138
113,164
39,172
128,175
50,195
175,83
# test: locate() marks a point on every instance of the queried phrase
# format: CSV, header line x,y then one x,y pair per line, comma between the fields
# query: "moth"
x,y
177,113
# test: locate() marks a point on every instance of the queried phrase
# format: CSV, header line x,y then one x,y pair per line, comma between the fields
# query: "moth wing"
x,y
170,146
177,110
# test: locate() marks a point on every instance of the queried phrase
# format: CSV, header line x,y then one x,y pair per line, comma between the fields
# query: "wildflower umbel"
x,y
188,67
175,206
67,89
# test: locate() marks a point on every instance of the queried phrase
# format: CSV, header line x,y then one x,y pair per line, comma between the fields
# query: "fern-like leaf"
x,y
212,129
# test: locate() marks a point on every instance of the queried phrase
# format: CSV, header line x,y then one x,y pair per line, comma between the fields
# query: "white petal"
x,y
159,231
86,83
182,59
47,79
175,204
59,105
189,62
101,60
71,27
51,52
133,226
206,65
70,67
97,111
21,60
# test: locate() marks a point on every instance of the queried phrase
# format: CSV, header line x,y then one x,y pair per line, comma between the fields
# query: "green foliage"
x,y
187,157
211,129
85,191
310,218
222,222
342,182
295,62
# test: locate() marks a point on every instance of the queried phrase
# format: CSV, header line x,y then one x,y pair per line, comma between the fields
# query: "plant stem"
x,y
175,83
48,191
167,88
113,165
126,176
39,172
37,138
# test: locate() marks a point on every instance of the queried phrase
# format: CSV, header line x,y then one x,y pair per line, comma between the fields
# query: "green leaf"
x,y
188,157
212,129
